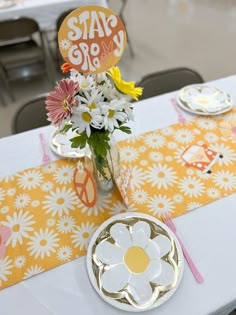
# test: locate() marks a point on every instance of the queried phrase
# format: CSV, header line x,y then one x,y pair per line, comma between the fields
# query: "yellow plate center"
x,y
136,259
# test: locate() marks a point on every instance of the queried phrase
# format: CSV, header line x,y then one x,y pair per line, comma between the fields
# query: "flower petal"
x,y
109,254
153,270
115,279
121,235
140,288
141,234
153,250
163,243
166,276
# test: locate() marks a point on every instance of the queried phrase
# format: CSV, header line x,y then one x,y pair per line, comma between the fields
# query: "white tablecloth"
x,y
209,233
45,12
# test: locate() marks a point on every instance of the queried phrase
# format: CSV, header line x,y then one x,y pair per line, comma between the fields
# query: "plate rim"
x,y
90,273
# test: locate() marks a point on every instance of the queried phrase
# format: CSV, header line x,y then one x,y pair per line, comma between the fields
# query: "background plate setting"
x,y
134,262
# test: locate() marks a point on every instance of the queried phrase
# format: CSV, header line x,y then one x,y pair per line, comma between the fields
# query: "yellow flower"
x,y
123,86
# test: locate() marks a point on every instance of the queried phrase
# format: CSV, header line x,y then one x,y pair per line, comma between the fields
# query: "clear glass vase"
x,y
105,169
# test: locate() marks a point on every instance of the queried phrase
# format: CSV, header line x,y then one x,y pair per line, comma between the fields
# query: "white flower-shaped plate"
x,y
61,145
204,100
134,262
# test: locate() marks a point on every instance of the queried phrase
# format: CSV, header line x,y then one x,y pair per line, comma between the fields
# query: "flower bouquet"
x,y
94,106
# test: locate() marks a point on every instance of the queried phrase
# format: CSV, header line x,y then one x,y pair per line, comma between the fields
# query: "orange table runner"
x,y
50,226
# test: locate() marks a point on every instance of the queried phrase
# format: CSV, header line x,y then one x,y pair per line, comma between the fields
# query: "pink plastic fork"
x,y
168,221
46,159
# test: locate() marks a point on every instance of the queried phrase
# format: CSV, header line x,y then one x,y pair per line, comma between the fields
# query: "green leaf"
x,y
99,142
125,129
66,128
79,141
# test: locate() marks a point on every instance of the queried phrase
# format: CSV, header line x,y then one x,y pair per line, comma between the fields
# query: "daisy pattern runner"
x,y
173,170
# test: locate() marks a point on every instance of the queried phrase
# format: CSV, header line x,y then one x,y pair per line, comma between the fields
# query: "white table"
x,y
45,12
209,233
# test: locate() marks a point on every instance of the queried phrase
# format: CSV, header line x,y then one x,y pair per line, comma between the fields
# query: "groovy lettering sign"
x,y
92,39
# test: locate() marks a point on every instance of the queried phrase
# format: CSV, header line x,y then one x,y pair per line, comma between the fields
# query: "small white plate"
x,y
204,100
61,145
134,262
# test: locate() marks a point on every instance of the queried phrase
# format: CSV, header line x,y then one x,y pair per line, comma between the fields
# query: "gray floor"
x,y
164,33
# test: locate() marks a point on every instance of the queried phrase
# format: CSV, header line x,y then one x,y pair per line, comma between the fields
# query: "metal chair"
x,y
22,51
167,81
31,114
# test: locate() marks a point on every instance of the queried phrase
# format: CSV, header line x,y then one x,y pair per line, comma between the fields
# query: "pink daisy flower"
x,y
60,101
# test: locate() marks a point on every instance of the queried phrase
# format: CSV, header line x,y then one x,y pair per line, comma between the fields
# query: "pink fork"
x,y
46,159
168,221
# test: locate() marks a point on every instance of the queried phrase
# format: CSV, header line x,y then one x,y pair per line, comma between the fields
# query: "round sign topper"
x,y
92,39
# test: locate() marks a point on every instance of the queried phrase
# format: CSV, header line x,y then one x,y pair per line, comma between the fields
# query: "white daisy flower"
x,y
11,191
19,262
143,162
225,180
140,196
102,204
156,156
35,203
64,253
51,222
49,168
20,224
211,137
134,139
21,201
128,154
43,243
178,198
142,148
184,136
160,175
169,158
202,175
160,206
64,174
213,193
190,171
86,83
5,269
206,123
30,179
227,155
135,244
2,194
60,201
196,131
137,178
154,140
178,155
119,207
4,209
172,145
32,271
65,44
47,186
113,113
167,131
66,224
193,205
191,186
82,235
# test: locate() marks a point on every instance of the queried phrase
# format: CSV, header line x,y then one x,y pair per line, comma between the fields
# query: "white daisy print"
x,y
178,155
161,206
64,174
21,201
33,271
65,44
206,123
178,198
227,155
47,186
129,154
30,179
60,202
4,209
2,194
64,253
184,136
201,175
140,196
121,259
172,145
167,131
211,137
142,148
43,243
225,180
65,225
154,140
143,162
119,207
51,222
5,269
161,176
169,158
213,193
193,205
35,203
190,171
191,186
102,204
156,156
7,179
137,178
49,168
20,224
11,192
19,262
82,235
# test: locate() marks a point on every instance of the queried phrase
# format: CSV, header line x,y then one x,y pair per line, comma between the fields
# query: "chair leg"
x,y
6,83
